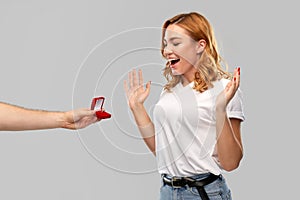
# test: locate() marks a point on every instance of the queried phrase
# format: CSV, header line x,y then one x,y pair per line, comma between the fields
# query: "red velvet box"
x,y
97,104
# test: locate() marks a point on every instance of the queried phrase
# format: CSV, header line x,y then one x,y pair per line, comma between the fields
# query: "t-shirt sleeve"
x,y
235,108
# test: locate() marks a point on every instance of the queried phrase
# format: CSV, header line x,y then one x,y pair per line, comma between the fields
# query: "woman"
x,y
196,128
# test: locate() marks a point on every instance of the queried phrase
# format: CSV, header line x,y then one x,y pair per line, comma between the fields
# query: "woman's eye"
x,y
176,44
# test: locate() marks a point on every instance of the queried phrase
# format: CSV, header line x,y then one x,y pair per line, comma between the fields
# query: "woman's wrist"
x,y
137,107
221,107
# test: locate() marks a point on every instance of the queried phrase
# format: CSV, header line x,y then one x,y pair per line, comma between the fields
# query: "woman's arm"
x,y
136,96
15,118
145,126
229,143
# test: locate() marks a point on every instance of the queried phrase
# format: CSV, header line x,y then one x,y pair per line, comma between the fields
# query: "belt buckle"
x,y
174,179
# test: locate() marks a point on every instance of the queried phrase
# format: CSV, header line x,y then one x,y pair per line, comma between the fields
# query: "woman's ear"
x,y
201,46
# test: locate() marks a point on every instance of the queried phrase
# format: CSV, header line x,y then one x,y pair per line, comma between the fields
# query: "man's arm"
x,y
15,118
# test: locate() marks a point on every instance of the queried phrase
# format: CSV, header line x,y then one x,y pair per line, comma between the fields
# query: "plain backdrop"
x,y
58,54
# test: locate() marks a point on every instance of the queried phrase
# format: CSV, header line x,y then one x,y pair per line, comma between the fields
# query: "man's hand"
x,y
78,119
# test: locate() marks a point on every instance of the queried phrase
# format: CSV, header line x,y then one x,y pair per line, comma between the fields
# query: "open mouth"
x,y
174,61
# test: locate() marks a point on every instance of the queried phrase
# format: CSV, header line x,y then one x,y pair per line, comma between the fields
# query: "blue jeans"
x,y
217,190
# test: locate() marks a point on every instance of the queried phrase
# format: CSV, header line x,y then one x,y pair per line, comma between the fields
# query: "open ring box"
x,y
97,105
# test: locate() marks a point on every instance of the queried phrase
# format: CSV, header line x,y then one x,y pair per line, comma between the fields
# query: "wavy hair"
x,y
208,66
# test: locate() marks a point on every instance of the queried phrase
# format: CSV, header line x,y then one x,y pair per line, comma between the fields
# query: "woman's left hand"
x,y
227,94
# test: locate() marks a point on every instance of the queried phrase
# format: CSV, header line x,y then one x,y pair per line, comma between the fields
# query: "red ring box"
x,y
97,104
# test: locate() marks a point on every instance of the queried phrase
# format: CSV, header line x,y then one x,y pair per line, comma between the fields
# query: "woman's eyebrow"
x,y
172,38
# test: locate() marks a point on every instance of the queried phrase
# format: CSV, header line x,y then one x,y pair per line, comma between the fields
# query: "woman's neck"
x,y
188,77
185,81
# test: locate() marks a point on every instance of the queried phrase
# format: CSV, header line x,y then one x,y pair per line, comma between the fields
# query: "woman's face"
x,y
181,51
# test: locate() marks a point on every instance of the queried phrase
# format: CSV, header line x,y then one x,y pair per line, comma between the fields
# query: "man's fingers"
x,y
81,113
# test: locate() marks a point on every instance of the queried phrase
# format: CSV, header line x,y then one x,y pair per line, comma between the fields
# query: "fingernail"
x,y
234,79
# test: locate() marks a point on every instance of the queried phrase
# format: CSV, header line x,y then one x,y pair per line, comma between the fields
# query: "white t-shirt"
x,y
185,129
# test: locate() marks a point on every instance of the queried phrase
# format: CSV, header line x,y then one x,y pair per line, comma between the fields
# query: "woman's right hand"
x,y
135,91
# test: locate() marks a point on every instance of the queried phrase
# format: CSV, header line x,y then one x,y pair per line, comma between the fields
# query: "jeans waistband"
x,y
196,176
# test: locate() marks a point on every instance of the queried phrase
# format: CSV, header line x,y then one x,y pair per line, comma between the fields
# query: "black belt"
x,y
178,182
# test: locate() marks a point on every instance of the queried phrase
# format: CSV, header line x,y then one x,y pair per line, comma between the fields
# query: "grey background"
x,y
48,62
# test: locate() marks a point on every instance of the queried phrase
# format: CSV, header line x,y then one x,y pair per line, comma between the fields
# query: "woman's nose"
x,y
167,51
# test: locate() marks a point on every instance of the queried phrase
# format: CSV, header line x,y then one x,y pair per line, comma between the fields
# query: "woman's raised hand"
x,y
227,94
134,89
